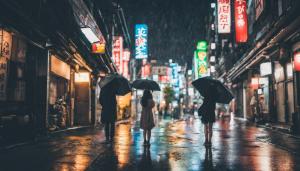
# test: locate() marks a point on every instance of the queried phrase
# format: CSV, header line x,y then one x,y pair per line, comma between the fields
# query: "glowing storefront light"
x,y
82,77
297,61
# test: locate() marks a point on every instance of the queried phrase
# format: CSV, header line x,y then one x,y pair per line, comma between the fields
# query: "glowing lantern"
x,y
297,61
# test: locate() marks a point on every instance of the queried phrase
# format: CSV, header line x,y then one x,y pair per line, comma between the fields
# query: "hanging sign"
x,y
241,21
141,42
297,61
98,48
117,52
265,68
224,16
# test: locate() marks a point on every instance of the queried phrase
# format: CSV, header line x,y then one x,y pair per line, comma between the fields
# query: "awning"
x,y
272,39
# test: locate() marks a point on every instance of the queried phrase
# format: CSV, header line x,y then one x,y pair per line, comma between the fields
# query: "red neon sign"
x,y
297,61
117,52
241,21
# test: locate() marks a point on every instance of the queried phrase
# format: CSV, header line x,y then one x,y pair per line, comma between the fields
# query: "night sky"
x,y
174,26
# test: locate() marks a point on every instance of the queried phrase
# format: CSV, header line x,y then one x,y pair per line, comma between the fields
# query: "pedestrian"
x,y
253,103
147,121
208,117
109,111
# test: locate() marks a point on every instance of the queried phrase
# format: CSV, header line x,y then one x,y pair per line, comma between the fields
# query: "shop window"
x,y
17,76
12,67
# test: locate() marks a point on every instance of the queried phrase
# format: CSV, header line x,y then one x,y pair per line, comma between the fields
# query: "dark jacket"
x,y
109,104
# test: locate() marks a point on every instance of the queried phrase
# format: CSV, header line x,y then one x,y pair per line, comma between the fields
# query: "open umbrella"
x,y
206,84
118,82
145,84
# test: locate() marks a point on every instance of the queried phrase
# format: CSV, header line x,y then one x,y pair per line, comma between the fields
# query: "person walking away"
x,y
253,107
109,111
208,117
147,121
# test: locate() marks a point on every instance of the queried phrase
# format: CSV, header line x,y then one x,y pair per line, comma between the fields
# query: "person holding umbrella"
x,y
147,121
109,110
208,117
111,85
213,92
147,102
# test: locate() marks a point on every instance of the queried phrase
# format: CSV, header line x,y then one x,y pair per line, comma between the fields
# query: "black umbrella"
x,y
118,82
206,85
145,84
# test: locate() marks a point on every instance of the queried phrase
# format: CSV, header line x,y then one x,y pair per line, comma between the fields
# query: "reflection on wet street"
x,y
175,145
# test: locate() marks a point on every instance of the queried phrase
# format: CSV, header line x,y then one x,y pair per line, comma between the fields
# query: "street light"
x,y
90,35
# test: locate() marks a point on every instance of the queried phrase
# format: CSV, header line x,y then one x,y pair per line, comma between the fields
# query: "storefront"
x,y
21,84
59,116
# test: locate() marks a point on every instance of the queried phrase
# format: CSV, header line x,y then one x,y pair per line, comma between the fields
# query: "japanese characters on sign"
x,y
141,42
200,59
126,59
224,16
241,21
259,7
117,52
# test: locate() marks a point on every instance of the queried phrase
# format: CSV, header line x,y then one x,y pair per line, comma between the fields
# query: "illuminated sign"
x,y
141,42
224,16
202,45
265,68
82,77
117,52
98,48
126,55
297,61
241,22
200,61
146,71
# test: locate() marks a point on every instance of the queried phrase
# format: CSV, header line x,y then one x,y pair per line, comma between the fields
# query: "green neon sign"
x,y
202,45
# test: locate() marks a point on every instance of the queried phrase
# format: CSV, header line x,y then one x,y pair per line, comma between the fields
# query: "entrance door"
x,y
82,115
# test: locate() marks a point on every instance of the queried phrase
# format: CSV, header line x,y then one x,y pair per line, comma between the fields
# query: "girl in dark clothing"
x,y
109,111
208,115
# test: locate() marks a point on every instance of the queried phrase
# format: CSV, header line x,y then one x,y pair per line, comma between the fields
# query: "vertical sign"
x,y
5,53
146,69
224,16
141,42
126,59
200,57
117,52
241,21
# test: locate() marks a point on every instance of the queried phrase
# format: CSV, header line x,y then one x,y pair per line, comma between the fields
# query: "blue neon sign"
x,y
141,42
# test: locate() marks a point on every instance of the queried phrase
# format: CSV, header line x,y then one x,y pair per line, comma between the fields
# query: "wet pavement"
x,y
175,145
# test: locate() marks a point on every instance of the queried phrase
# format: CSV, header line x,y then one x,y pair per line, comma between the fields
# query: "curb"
x,y
41,137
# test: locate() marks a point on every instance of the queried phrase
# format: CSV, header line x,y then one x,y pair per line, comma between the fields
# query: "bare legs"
x,y
208,133
147,136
